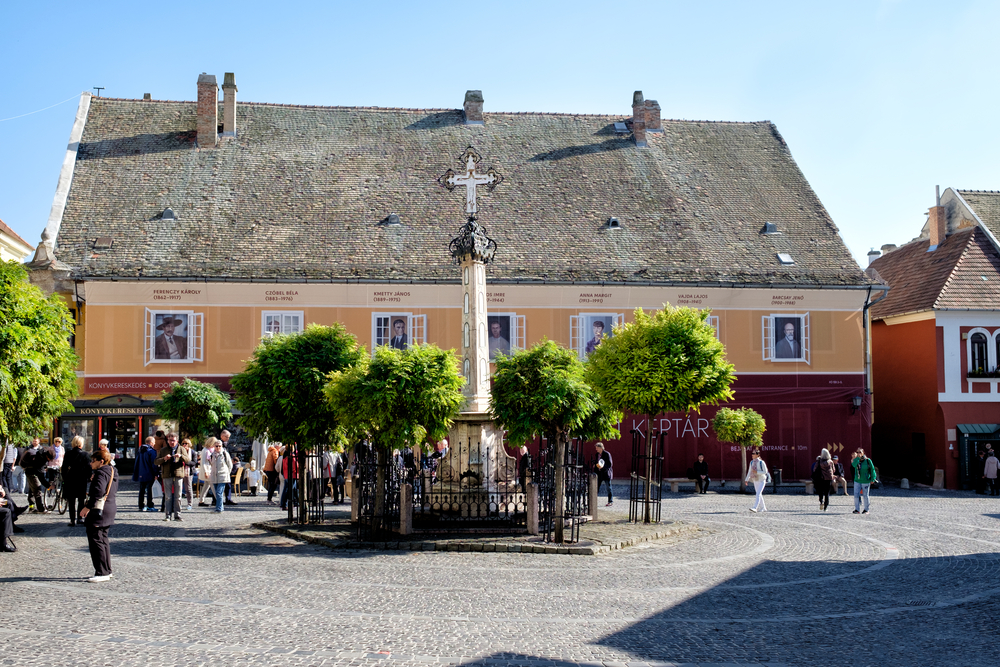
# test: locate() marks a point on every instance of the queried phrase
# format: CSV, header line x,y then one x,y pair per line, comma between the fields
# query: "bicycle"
x,y
53,498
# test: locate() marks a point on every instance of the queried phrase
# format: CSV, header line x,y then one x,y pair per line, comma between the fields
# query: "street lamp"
x,y
856,403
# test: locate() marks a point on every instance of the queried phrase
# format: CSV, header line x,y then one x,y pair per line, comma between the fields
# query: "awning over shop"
x,y
980,429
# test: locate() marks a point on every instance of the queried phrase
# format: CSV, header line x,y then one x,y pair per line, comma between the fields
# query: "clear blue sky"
x,y
878,101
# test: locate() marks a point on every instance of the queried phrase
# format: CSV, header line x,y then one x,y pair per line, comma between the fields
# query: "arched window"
x,y
979,362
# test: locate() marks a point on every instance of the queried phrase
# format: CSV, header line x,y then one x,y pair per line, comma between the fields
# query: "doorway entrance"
x,y
122,434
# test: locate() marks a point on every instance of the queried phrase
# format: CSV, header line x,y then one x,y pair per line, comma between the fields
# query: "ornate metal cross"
x,y
470,179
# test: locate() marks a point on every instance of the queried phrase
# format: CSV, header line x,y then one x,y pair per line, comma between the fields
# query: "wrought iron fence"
x,y
306,505
577,501
646,480
379,478
472,489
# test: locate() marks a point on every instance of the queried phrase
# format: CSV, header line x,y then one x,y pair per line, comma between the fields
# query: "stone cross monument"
x,y
476,454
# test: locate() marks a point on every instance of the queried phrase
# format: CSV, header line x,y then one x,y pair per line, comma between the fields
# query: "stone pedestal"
x,y
476,456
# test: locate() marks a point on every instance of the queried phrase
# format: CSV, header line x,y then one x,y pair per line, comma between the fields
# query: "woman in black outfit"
x,y
103,485
76,473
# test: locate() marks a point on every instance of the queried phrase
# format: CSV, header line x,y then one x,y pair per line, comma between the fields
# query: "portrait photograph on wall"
x,y
787,338
500,335
393,330
171,342
595,327
173,336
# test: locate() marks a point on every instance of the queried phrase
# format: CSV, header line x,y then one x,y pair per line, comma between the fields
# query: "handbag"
x,y
99,503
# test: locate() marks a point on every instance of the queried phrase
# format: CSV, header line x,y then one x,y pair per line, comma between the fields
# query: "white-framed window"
x,y
978,351
274,322
398,330
586,330
174,337
506,333
785,337
713,321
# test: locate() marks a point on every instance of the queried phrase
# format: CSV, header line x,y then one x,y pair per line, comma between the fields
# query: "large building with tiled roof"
x,y
936,342
12,246
277,216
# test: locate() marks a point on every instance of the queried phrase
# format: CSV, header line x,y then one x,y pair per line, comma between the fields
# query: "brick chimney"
x,y
229,105
938,225
653,116
208,111
639,119
473,107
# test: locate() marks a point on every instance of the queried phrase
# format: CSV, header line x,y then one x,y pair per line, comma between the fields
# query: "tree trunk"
x,y
559,511
743,466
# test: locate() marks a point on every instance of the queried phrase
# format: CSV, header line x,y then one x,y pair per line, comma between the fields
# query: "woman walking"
x,y
757,474
222,464
76,473
99,514
824,480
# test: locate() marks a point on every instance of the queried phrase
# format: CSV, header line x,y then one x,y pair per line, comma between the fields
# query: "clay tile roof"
x,y
986,205
951,277
301,193
5,229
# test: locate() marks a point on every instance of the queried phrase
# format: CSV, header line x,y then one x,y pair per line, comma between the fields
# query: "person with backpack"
x,y
605,470
758,474
864,476
145,472
822,476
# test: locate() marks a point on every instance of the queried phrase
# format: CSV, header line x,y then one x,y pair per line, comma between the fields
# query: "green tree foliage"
x,y
743,426
198,408
667,361
542,391
37,363
398,398
280,392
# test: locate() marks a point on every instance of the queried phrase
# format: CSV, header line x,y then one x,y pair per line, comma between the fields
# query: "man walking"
x,y
864,475
33,462
9,459
171,461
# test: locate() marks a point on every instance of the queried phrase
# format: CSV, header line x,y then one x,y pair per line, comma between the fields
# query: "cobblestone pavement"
x,y
913,583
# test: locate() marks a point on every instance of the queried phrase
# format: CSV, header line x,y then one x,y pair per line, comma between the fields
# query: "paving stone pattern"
x,y
913,583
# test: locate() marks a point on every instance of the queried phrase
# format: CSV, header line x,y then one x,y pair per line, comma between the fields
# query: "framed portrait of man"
x,y
589,329
499,336
786,337
398,330
173,336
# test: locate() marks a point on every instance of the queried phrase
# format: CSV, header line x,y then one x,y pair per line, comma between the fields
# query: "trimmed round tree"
x,y
666,361
198,407
742,426
37,362
280,392
397,399
542,391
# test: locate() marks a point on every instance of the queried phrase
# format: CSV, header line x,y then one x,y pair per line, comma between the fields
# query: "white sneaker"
x,y
98,579
189,508
752,509
166,518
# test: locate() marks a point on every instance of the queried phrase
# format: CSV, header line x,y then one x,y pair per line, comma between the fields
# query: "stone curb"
x,y
322,538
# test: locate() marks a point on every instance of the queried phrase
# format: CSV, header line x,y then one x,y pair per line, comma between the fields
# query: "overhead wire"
x,y
38,110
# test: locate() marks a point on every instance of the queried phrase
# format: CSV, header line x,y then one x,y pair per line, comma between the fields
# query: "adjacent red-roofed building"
x,y
936,343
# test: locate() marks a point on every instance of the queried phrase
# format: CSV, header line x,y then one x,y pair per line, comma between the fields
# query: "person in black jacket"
x,y
76,474
701,479
605,470
103,485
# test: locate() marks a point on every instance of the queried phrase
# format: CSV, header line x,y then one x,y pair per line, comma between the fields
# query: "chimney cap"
x,y
637,98
146,97
206,79
473,96
229,81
